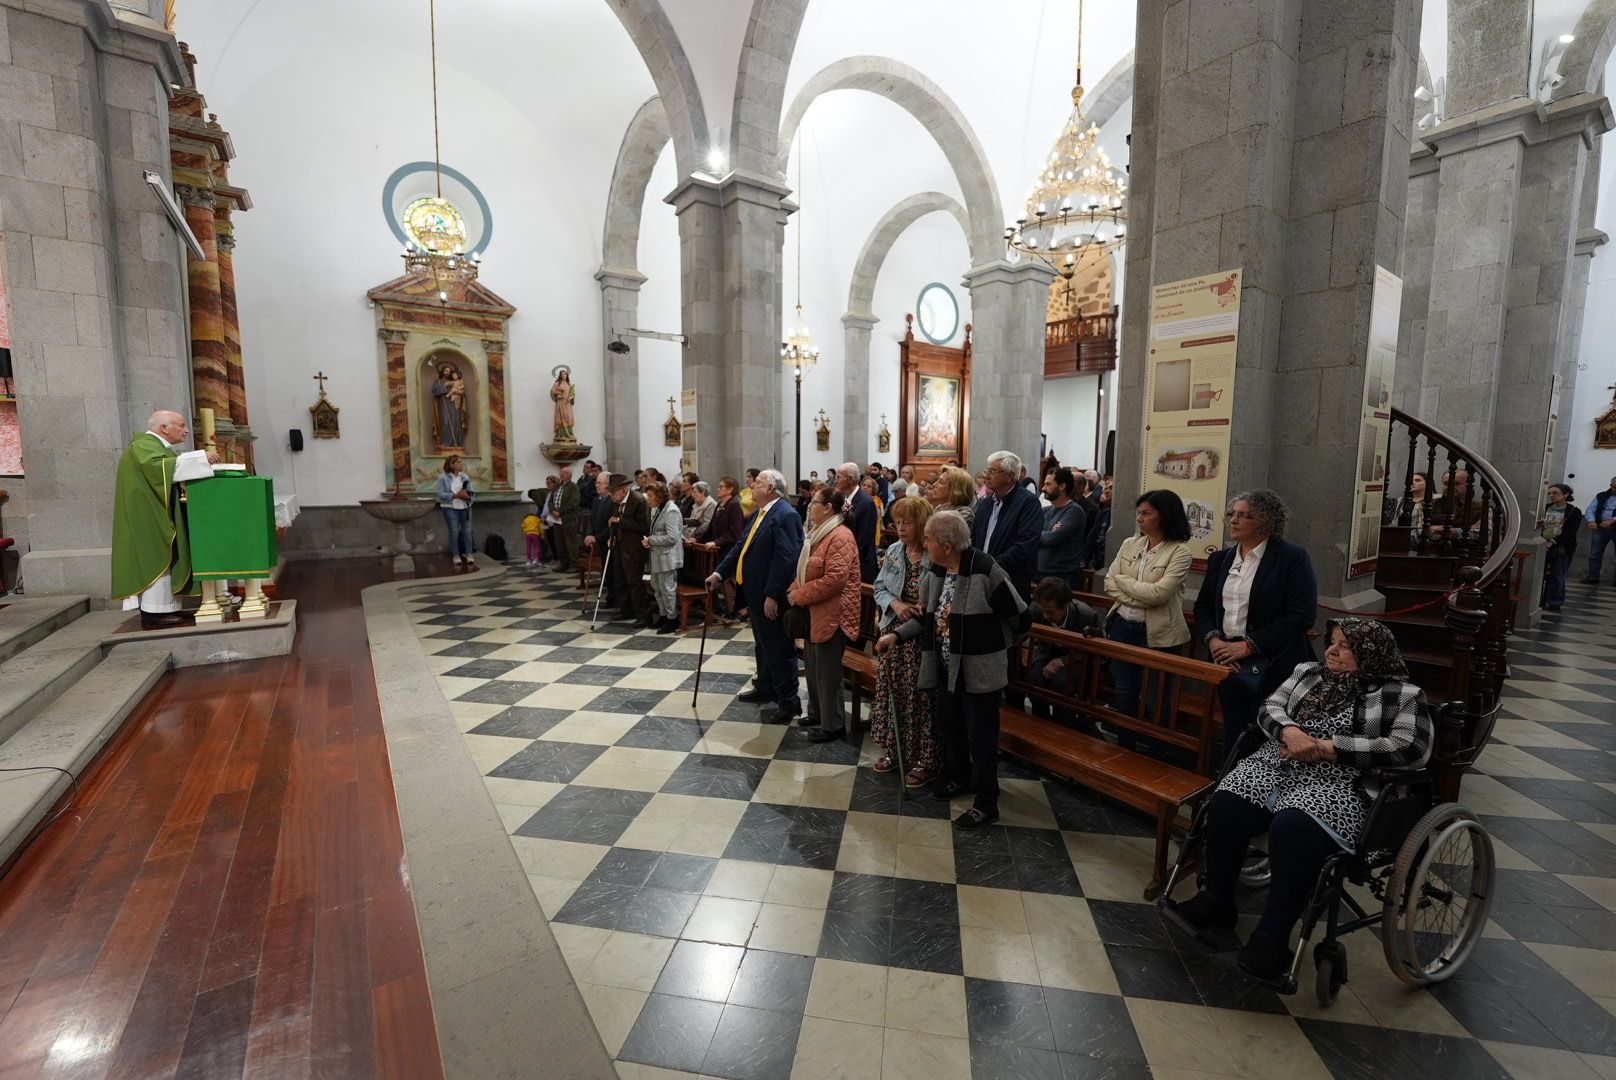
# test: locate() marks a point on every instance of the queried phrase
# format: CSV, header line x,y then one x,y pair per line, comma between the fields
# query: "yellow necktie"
x,y
756,521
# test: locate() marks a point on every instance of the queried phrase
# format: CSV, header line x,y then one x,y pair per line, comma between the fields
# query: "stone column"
x,y
400,474
1009,311
754,215
856,327
1589,241
1542,284
209,371
1419,244
729,238
231,324
1489,52
499,455
620,306
701,286
1273,136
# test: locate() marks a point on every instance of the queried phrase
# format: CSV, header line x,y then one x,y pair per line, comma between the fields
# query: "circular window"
x,y
417,213
938,313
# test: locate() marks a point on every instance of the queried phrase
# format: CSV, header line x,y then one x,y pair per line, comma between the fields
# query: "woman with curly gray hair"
x,y
1257,602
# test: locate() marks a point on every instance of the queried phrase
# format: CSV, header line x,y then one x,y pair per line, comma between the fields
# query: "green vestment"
x,y
148,521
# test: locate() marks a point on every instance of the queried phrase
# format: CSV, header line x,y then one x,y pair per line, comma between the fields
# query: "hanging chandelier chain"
x,y
1079,43
437,154
799,223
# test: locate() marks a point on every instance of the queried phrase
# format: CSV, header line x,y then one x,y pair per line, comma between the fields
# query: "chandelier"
x,y
1078,207
437,245
798,351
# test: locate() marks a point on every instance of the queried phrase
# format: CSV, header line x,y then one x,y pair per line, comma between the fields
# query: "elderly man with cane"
x,y
764,564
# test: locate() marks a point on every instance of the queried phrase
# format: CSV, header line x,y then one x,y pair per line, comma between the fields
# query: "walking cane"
x,y
707,617
600,591
897,745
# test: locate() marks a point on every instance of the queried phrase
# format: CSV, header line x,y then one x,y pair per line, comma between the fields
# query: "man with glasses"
x,y
1602,524
1009,521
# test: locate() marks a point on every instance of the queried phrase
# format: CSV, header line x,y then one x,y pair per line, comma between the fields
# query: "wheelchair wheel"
x,y
1438,894
1329,971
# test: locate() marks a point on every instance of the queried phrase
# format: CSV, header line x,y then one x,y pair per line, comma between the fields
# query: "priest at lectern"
x,y
151,557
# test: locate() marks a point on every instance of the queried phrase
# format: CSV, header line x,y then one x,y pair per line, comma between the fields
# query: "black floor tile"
x,y
672,1033
1121,923
552,762
593,675
625,866
1013,1013
1222,985
1003,1061
862,939
500,692
674,662
1596,765
1092,1025
620,699
1047,876
596,903
482,669
753,1044
862,894
987,869
926,946
573,654
1158,974
521,722
682,873
771,980
468,649
660,912
665,733
700,969
456,633
1358,1052
925,901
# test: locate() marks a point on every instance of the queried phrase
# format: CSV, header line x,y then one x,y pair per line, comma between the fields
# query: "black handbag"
x,y
1249,676
795,621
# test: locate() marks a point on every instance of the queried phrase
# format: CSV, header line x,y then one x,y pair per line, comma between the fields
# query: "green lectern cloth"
x,y
232,523
148,521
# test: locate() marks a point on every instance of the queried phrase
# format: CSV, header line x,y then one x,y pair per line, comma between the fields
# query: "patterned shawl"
x,y
1378,657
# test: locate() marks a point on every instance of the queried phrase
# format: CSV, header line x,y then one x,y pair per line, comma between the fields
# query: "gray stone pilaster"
x,y
1009,310
1273,137
1542,294
1589,241
856,327
754,234
620,306
1419,247
1489,52
92,269
730,234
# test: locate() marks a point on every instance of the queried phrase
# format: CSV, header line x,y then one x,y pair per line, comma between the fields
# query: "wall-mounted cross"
x,y
321,378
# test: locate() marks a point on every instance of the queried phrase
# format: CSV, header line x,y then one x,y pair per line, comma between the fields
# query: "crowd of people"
x,y
961,566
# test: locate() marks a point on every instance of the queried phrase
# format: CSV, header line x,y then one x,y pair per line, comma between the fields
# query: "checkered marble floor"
x,y
736,901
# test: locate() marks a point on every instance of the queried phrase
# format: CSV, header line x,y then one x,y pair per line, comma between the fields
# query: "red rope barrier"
x,y
1400,611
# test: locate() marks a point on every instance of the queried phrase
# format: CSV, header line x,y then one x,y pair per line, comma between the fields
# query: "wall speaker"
x,y
295,437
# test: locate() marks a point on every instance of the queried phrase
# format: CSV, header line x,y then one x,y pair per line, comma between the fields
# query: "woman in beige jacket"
x,y
1147,582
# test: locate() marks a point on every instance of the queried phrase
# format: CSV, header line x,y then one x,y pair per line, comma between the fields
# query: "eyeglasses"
x,y
1240,515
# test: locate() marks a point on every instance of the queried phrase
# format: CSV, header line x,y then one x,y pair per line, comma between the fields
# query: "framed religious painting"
x,y
934,408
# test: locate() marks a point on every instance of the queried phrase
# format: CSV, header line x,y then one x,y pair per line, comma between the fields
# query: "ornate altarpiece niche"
x,y
443,361
934,404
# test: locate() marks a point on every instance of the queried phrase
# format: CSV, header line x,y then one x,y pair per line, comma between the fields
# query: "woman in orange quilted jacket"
x,y
828,585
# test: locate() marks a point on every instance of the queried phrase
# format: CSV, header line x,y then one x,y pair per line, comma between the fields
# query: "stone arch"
x,y
861,293
937,113
1584,62
1114,90
648,27
760,84
860,320
642,146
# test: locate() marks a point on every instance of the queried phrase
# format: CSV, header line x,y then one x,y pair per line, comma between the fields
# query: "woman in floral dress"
x,y
897,676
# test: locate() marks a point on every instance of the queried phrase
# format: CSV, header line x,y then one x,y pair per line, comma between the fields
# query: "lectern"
x,y
231,519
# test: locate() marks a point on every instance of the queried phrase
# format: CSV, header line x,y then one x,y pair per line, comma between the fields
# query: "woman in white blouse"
x,y
1146,580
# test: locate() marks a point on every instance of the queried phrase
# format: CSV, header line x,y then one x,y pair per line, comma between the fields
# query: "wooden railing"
x,y
1467,513
1082,345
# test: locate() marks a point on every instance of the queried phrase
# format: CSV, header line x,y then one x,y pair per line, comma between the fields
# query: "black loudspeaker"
x,y
295,437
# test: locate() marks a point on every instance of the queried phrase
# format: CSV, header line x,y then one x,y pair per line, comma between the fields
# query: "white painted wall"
x,y
314,150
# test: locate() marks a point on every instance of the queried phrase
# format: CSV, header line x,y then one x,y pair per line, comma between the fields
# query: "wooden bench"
x,y
1186,718
703,561
858,661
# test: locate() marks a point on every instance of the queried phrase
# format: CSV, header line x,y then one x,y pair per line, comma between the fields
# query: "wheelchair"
x,y
1428,865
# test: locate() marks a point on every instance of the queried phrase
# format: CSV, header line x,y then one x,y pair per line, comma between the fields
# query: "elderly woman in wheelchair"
x,y
1326,729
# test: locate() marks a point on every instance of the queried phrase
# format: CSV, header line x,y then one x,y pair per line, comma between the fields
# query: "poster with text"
x,y
1189,399
688,459
1369,490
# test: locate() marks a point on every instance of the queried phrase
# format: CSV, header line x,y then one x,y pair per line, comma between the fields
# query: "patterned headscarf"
x,y
1379,659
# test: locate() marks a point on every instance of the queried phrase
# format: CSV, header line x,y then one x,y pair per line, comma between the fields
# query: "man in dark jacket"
x,y
1064,539
630,523
764,564
860,518
599,535
569,507
1008,522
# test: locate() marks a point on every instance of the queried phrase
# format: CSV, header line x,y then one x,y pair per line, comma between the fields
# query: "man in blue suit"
x,y
1009,522
764,564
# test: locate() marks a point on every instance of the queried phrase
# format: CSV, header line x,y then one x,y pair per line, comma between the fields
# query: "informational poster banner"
x,y
1375,424
687,428
1189,399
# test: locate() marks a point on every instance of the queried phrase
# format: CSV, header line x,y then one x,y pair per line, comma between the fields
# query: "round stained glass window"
x,y
938,314
434,224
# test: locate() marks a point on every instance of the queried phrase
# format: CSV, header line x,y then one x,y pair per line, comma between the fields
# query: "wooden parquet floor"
x,y
227,893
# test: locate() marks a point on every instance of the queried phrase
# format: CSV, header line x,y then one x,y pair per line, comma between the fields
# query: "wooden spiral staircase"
x,y
1451,579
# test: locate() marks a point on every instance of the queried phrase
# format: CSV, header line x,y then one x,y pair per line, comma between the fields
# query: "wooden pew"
x,y
1186,718
704,562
